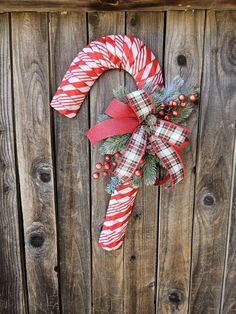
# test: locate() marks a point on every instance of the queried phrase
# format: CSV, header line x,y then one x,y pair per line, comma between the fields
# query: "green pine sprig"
x,y
119,93
102,117
114,144
149,169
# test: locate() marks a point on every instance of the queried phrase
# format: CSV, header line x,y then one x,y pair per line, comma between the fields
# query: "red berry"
x,y
107,157
138,173
117,154
98,166
114,163
105,173
183,104
175,113
170,103
107,165
161,113
166,118
174,104
142,161
163,105
182,97
95,175
193,98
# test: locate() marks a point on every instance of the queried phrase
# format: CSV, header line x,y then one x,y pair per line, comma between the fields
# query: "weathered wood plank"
x,y
229,288
107,267
32,119
141,238
229,295
12,285
176,206
67,38
97,5
214,166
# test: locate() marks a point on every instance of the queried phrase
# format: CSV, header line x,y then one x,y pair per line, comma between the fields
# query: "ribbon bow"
x,y
165,138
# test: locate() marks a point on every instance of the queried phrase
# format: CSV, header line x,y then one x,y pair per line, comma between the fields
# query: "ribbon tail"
x,y
117,217
132,155
170,158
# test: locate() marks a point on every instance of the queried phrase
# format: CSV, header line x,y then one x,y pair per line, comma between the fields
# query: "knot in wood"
x,y
45,175
41,171
36,240
174,298
181,60
93,19
133,21
133,258
208,201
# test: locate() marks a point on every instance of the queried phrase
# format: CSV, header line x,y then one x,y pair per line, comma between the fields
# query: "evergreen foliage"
x,y
112,185
119,93
114,144
149,169
102,117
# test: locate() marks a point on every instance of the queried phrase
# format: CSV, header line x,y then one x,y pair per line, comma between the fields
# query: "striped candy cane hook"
x,y
110,52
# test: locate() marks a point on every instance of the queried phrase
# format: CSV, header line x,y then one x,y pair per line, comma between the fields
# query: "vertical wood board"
x,y
107,266
33,138
68,35
12,287
184,42
141,237
228,293
214,165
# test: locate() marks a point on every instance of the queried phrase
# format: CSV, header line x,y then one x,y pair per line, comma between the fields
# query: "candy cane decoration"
x,y
110,52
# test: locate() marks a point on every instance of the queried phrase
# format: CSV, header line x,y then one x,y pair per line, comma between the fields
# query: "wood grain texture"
x,y
111,5
32,119
229,294
67,38
12,287
129,280
214,166
107,267
176,206
141,238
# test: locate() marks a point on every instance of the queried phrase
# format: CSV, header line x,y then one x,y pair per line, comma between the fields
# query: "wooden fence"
x,y
179,254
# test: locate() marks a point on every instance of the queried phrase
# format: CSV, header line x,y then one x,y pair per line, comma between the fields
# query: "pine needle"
x,y
114,144
150,169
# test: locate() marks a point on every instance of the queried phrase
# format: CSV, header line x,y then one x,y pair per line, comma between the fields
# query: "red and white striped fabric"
x,y
117,217
110,52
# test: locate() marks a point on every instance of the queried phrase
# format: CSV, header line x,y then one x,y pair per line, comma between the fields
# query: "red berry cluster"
x,y
170,108
109,164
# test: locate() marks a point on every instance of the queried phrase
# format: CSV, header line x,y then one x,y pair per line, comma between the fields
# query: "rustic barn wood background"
x,y
180,249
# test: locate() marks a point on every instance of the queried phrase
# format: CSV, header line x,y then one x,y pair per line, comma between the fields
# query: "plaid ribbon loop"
x,y
141,103
165,138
